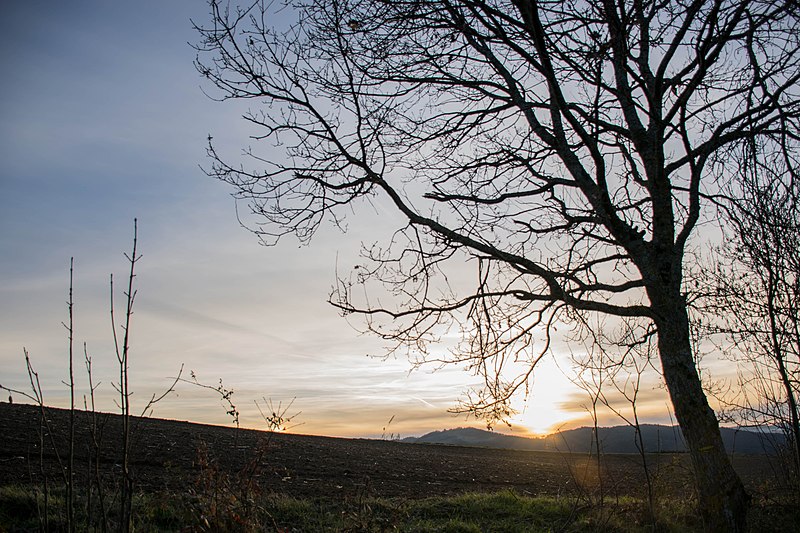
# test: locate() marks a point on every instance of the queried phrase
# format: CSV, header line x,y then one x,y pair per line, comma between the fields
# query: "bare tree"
x,y
122,351
756,291
624,356
70,486
564,149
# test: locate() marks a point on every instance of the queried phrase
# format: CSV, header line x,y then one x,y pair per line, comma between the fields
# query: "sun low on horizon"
x,y
543,416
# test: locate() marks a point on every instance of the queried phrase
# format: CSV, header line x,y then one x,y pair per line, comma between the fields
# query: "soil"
x,y
171,455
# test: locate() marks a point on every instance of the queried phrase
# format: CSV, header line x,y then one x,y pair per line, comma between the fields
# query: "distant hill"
x,y
616,439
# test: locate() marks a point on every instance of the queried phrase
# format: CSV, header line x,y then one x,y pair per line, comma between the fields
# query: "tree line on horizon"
x,y
654,438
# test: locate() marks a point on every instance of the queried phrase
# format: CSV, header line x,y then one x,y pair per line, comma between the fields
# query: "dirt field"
x,y
167,455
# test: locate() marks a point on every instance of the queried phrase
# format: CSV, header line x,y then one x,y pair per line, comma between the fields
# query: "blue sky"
x,y
104,120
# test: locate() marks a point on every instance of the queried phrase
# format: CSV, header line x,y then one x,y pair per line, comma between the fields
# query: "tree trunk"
x,y
723,500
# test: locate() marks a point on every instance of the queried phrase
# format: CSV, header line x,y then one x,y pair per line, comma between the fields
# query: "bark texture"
x,y
724,501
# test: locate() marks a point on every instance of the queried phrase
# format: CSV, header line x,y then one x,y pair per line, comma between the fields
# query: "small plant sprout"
x,y
276,416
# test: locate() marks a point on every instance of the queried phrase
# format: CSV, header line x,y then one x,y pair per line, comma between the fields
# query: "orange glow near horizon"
x,y
543,419
547,409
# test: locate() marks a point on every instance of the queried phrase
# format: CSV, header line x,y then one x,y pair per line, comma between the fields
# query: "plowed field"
x,y
170,454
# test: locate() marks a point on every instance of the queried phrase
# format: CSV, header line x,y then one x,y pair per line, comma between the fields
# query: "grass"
x,y
501,512
22,509
18,509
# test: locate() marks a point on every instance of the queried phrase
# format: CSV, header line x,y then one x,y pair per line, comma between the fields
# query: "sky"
x,y
104,120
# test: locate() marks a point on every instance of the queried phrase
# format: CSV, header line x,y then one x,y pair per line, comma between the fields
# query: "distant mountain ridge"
x,y
615,439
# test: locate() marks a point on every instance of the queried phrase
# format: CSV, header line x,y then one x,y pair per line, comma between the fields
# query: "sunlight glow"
x,y
546,410
544,417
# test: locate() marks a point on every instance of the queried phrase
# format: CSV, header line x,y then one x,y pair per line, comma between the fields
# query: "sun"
x,y
549,406
543,417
